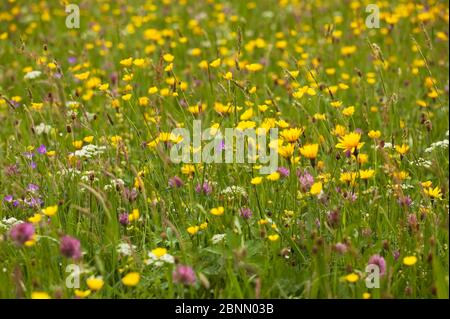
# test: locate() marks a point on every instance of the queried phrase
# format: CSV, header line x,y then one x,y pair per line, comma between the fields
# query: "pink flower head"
x,y
184,275
175,182
246,213
283,171
22,233
306,180
380,262
70,247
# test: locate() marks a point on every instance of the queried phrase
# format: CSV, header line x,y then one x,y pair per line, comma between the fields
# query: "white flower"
x,y
7,223
89,151
159,261
217,238
125,249
421,162
234,191
32,75
439,144
42,128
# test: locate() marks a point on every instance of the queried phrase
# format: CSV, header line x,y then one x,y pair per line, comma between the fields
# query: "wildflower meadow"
x,y
224,149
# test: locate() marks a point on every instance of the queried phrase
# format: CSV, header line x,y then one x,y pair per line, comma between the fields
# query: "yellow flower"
x,y
223,109
352,278
88,139
115,103
402,150
291,135
203,64
168,57
348,111
40,295
217,211
95,283
273,176
131,279
246,115
348,50
103,87
228,76
262,221
254,67
152,90
126,97
36,218
336,104
273,237
134,215
77,144
139,62
316,188
410,260
159,252
366,295
374,134
310,150
50,210
169,67
243,125
256,180
188,169
286,151
339,130
52,65
402,175
37,106
366,174
215,63
81,293
350,142
192,230
348,177
82,76
126,62
427,184
115,140
433,192
31,242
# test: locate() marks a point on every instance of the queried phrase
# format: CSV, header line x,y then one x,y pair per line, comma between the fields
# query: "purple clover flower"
x,y
184,275
246,212
380,262
70,247
21,233
283,171
175,182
